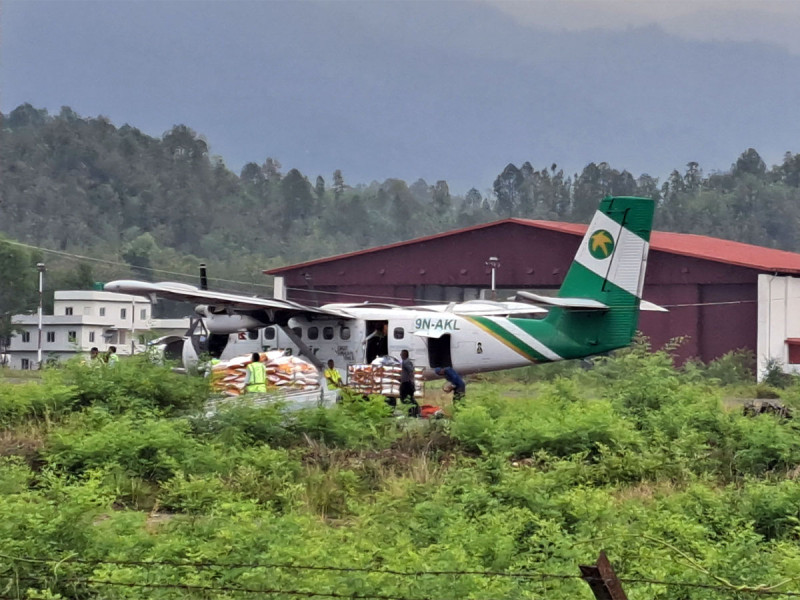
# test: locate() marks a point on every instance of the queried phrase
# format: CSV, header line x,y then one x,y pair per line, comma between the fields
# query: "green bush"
x,y
43,400
141,445
136,383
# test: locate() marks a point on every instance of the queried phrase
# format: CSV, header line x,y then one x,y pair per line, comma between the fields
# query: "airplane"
x,y
595,311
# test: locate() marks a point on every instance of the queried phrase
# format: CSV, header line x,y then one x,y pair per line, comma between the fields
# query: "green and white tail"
x,y
597,307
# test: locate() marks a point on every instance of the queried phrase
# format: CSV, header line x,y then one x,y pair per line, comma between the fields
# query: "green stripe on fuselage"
x,y
508,338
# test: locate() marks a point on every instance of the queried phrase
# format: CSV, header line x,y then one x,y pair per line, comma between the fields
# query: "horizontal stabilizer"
x,y
576,303
645,305
581,303
484,308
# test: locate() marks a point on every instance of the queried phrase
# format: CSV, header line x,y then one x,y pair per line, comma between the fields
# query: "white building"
x,y
82,320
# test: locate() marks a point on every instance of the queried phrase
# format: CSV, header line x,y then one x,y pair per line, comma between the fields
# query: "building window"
x,y
344,333
313,333
26,336
51,336
327,333
91,336
123,313
102,311
68,310
143,314
72,337
26,364
87,310
269,333
399,333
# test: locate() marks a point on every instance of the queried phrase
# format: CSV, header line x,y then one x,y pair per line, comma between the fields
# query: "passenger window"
x,y
252,334
327,333
269,333
344,333
399,333
313,333
298,331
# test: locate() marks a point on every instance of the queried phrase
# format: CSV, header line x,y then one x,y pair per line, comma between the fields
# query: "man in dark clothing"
x,y
407,383
459,387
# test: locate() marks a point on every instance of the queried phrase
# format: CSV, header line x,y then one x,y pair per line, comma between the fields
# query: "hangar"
x,y
721,295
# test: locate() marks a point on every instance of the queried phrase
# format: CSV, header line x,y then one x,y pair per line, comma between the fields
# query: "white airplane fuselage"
x,y
432,339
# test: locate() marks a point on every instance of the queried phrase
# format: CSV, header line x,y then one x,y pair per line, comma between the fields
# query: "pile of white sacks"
x,y
283,373
382,376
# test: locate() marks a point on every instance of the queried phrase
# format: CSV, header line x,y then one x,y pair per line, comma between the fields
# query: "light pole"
x,y
40,268
494,263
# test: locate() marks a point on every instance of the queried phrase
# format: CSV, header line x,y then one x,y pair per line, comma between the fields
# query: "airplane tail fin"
x,y
598,303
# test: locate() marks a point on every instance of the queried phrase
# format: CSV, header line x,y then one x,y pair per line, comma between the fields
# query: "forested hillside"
x,y
84,186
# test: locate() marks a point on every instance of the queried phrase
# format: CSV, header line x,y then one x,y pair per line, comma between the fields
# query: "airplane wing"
x,y
234,302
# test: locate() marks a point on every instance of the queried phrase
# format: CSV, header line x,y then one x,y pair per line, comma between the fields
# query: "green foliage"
x,y
136,383
43,400
635,456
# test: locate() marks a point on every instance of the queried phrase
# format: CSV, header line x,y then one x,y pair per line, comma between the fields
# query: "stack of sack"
x,y
283,373
382,377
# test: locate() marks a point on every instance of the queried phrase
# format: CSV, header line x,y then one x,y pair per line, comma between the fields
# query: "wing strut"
x,y
304,349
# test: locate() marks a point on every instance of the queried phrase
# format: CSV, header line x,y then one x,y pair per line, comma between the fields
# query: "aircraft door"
x,y
377,340
439,354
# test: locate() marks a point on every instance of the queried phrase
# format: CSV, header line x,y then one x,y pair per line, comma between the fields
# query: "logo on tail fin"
x,y
601,244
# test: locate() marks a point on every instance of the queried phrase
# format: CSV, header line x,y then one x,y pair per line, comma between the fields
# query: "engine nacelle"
x,y
225,323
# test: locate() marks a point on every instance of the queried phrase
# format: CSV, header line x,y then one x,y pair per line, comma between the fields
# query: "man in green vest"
x,y
111,356
256,379
333,377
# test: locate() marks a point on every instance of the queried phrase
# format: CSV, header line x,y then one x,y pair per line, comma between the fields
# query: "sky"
x,y
413,89
768,21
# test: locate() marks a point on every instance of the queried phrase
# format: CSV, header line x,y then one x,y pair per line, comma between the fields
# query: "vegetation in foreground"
x,y
115,484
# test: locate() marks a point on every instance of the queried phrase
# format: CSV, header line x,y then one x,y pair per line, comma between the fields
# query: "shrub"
x,y
43,400
136,383
140,445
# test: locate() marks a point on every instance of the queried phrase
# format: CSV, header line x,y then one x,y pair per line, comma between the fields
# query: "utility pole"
x,y
41,269
494,263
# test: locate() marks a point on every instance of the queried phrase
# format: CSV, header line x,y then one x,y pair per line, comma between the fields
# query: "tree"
x,y
139,254
507,188
319,188
338,184
251,173
298,201
473,199
749,162
441,198
271,170
19,289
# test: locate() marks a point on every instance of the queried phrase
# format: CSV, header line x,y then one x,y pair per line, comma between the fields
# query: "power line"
x,y
125,265
234,589
761,590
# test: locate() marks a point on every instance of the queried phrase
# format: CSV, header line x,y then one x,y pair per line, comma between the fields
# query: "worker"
x,y
256,379
407,383
333,377
459,387
111,356
377,342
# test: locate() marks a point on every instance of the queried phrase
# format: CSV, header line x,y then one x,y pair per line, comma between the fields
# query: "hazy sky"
x,y
449,90
769,21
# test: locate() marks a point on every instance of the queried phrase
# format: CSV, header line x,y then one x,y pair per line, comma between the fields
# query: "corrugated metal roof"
x,y
684,244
